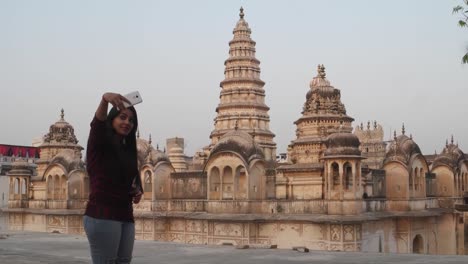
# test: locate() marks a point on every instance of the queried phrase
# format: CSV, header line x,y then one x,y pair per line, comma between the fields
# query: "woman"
x,y
111,162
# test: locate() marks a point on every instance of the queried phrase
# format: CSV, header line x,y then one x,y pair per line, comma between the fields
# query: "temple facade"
x,y
335,190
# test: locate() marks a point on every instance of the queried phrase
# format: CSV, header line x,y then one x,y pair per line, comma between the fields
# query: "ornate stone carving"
x,y
348,233
335,233
148,225
55,220
176,237
194,226
177,225
227,229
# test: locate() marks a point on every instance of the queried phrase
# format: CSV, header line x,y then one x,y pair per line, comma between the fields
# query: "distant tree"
x,y
463,22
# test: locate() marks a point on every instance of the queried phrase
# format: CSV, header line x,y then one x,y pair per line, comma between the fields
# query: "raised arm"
x,y
115,99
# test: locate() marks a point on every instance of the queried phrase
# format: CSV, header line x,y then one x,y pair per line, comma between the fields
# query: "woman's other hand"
x,y
137,197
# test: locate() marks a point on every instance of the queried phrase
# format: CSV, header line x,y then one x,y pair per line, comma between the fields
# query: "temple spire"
x,y
242,98
403,129
149,139
62,114
451,140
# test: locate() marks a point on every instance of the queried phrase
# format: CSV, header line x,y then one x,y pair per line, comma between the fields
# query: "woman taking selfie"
x,y
111,163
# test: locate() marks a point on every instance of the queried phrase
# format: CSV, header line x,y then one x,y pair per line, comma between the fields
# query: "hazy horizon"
x,y
394,62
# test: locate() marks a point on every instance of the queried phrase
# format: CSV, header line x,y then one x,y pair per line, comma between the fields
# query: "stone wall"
x,y
188,185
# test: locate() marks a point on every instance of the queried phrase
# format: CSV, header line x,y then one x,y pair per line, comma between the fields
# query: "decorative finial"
x,y
375,124
157,146
149,141
62,115
451,140
394,135
403,129
446,143
241,14
411,136
435,152
321,71
368,125
138,133
362,127
164,150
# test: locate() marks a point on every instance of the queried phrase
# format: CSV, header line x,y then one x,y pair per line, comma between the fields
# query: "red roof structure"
x,y
19,151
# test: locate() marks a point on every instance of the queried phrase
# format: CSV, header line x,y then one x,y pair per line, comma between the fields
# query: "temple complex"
x,y
336,189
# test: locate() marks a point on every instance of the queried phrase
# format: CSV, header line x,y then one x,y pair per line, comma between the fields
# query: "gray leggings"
x,y
110,241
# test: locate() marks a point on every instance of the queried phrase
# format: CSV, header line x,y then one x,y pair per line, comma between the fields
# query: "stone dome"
x,y
68,159
147,154
342,144
61,132
239,142
20,167
450,156
402,149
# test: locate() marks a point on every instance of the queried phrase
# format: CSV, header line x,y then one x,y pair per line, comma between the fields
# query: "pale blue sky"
x,y
394,61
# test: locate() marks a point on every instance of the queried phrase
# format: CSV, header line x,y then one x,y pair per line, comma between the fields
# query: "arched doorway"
x,y
418,245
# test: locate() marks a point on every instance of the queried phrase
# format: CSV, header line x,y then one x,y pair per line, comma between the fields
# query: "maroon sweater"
x,y
110,176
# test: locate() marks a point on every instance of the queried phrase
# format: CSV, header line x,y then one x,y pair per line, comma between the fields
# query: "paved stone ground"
x,y
31,247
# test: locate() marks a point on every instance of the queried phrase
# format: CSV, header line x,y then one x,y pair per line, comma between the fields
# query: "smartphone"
x,y
134,98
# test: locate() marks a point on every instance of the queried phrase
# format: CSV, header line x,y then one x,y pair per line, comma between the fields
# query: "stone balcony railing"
x,y
259,206
56,204
291,206
17,204
382,204
242,206
48,204
77,204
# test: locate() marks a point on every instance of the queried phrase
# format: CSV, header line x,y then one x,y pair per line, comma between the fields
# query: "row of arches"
x,y
56,187
19,186
227,183
346,180
461,182
417,179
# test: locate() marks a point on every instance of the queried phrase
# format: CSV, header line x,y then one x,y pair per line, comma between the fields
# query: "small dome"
x,y
402,149
61,132
451,156
147,154
68,159
342,144
239,142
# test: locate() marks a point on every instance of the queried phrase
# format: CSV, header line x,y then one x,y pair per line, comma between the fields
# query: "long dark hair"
x,y
125,148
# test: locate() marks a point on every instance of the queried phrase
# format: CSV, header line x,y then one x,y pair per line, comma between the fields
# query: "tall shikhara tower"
x,y
242,98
